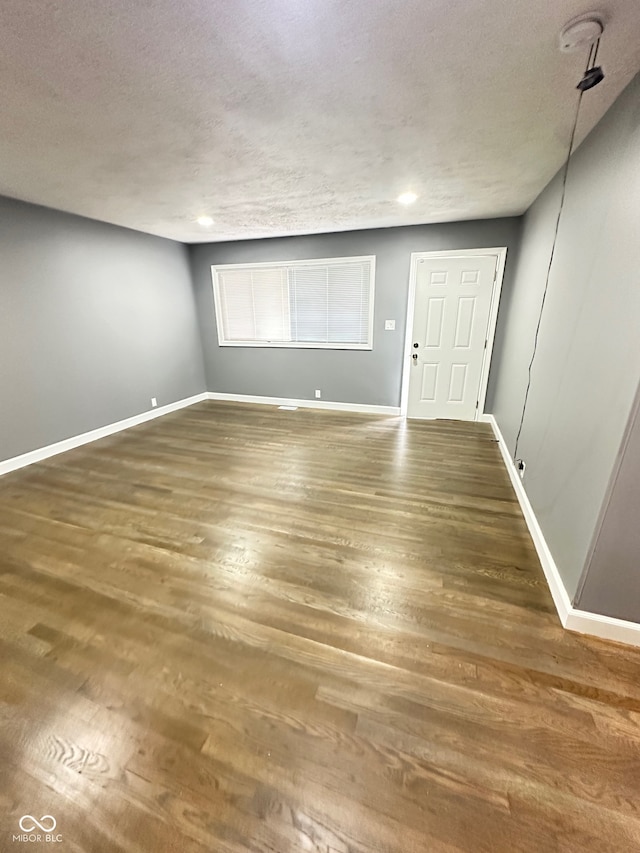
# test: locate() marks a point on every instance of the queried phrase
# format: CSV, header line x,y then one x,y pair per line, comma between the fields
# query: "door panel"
x,y
435,316
464,322
451,318
429,382
458,383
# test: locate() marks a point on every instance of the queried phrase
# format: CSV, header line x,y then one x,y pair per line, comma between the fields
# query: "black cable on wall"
x,y
591,78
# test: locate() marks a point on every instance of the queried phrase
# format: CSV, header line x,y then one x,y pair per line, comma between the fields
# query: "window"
x,y
319,304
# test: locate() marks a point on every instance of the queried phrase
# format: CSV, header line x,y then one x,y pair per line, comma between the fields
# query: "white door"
x,y
450,327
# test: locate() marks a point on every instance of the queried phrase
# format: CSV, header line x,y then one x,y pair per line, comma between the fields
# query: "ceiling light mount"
x,y
205,221
581,32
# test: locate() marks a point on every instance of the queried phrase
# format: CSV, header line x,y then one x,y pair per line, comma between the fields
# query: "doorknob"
x,y
415,356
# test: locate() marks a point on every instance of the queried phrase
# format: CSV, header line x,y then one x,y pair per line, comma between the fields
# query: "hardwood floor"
x,y
240,629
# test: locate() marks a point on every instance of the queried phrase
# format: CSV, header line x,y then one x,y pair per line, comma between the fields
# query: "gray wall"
x,y
612,580
588,362
370,377
94,321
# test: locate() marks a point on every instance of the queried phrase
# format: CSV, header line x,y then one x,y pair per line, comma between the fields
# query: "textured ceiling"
x,y
293,116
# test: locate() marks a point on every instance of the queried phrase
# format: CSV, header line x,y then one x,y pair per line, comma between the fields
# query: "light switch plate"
x,y
389,325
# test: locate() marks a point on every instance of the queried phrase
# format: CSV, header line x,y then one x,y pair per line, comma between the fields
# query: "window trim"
x,y
310,262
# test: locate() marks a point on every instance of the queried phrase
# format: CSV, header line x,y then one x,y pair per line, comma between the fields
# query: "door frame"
x,y
501,252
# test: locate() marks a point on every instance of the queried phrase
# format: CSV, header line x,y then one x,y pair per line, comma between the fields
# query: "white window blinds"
x,y
321,303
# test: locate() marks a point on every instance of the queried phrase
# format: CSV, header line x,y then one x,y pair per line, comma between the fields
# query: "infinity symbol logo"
x,y
47,823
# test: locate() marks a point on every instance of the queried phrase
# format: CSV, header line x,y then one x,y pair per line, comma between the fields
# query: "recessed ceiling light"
x,y
205,221
407,198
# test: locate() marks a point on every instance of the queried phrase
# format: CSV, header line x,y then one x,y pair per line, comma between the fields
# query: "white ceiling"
x,y
293,116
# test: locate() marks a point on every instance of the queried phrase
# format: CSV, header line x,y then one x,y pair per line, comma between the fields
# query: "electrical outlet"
x,y
389,325
318,394
521,466
154,402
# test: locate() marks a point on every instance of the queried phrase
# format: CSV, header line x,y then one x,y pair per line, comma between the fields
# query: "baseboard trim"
x,y
558,592
306,404
41,453
605,627
581,621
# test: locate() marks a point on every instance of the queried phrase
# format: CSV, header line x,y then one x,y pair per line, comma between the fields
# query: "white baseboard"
x,y
605,627
306,404
95,434
558,592
581,621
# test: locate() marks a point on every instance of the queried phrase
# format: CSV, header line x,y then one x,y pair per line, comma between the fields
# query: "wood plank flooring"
x,y
239,629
